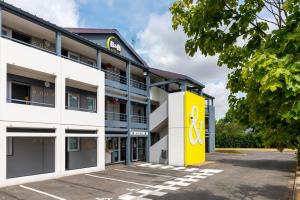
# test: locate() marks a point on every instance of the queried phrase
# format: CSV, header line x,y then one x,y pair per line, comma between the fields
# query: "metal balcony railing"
x,y
115,116
28,44
80,62
138,84
33,103
138,119
80,109
115,77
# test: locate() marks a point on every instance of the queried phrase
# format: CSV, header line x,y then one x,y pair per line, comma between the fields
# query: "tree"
x,y
259,40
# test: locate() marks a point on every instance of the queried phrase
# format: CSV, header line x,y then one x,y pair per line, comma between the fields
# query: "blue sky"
x,y
128,16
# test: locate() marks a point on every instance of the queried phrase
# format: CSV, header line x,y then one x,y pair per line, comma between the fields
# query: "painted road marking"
x,y
155,166
191,169
178,168
141,194
145,165
130,197
41,192
167,167
118,180
166,187
152,192
145,173
179,183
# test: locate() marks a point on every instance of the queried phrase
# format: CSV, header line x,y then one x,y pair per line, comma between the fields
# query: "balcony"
x,y
138,122
115,120
138,87
30,93
115,80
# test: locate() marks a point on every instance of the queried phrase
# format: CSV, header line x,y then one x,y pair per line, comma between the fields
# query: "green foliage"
x,y
231,134
265,65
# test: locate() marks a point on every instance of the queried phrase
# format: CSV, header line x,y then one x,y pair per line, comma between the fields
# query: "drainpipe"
x,y
148,111
128,114
58,44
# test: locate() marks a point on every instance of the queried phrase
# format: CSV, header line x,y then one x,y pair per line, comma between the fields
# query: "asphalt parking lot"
x,y
252,175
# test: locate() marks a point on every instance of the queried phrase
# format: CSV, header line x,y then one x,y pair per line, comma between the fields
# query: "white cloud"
x,y
61,12
164,48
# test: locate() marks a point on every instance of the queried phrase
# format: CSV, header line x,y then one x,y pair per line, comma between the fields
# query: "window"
x,y
20,93
73,144
91,62
9,146
6,32
21,37
74,56
91,104
73,100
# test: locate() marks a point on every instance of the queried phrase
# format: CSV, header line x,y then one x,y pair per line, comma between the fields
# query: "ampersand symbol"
x,y
194,118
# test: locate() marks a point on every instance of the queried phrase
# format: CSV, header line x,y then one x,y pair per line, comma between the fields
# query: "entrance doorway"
x,y
115,151
138,149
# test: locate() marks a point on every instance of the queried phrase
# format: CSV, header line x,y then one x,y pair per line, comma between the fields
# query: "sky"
x,y
146,25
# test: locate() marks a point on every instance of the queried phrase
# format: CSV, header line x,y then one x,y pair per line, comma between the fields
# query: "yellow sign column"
x,y
194,131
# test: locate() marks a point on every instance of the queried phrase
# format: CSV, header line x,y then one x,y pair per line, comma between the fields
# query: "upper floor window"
x,y
74,56
91,104
73,100
6,32
21,37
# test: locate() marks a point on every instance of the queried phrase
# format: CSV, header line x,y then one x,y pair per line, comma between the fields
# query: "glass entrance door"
x,y
141,148
138,148
115,150
134,149
123,149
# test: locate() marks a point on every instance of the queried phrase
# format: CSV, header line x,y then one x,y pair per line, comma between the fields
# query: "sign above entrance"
x,y
139,133
113,44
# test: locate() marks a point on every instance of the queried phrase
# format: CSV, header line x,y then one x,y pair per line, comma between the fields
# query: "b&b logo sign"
x,y
113,44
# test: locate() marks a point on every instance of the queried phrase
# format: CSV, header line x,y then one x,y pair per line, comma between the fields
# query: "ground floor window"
x,y
28,156
81,152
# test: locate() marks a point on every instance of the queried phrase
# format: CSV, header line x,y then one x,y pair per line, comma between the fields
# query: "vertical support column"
x,y
128,114
0,20
148,111
58,43
99,59
183,86
2,154
211,123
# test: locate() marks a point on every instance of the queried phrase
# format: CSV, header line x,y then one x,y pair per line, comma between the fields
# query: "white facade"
x,y
27,61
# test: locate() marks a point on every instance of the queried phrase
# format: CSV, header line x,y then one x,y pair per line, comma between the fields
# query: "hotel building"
x,y
73,100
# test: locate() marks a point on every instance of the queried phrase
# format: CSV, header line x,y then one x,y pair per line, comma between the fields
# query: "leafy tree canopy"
x,y
259,40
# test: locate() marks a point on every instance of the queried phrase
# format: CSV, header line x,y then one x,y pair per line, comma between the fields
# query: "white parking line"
x,y
145,173
41,192
118,180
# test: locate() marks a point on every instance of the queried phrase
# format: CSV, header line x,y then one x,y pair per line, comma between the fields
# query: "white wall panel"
x,y
176,128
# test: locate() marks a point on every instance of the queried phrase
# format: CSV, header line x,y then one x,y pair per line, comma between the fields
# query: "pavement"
x,y
251,175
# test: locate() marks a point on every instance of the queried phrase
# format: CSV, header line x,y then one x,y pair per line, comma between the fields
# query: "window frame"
x,y
94,103
78,149
9,146
73,94
9,32
73,54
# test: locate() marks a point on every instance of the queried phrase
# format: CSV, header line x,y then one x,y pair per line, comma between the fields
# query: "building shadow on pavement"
x,y
241,192
276,165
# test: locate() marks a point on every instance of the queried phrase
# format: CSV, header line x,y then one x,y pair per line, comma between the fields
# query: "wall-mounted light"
x,y
47,84
145,73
